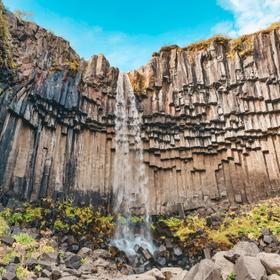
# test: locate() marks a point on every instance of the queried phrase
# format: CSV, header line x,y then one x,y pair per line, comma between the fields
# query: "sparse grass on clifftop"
x,y
6,59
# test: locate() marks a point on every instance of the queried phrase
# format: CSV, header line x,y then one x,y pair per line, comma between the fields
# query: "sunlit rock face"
x,y
210,118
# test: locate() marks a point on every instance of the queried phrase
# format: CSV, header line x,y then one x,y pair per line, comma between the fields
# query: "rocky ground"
x,y
61,241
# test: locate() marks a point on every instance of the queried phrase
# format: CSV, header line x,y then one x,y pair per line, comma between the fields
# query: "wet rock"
x,y
271,262
161,261
177,252
249,268
162,249
145,253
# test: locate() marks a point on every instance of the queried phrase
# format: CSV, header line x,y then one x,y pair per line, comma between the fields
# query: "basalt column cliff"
x,y
210,119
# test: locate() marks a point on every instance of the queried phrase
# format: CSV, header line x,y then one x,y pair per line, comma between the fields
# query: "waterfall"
x,y
130,186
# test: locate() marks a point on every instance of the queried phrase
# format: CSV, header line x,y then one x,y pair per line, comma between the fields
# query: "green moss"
x,y
8,257
2,271
60,225
3,226
136,219
24,239
31,214
204,44
71,65
247,223
22,272
172,222
5,48
38,268
244,46
231,276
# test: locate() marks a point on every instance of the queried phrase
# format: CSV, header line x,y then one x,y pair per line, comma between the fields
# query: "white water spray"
x,y
130,186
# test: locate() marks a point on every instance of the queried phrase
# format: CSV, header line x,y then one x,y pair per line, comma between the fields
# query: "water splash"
x,y
130,185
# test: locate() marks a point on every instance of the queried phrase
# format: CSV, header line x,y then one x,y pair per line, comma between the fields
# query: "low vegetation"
x,y
5,47
60,218
72,66
201,45
23,15
219,231
197,232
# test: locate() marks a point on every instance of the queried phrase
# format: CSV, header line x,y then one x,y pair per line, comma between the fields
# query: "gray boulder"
x,y
205,270
171,272
249,268
245,248
225,265
271,262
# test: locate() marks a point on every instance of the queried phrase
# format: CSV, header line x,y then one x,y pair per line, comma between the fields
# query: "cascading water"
x,y
131,194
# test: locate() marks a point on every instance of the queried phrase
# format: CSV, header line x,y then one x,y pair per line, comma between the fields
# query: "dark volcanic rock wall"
x,y
210,120
56,119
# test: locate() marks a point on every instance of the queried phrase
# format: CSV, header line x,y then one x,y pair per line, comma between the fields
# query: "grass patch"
x,y
6,59
194,232
204,44
4,228
24,239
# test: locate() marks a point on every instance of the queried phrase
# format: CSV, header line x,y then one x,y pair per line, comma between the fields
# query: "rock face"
x,y
210,120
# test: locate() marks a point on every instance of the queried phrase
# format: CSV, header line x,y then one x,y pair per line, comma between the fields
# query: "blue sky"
x,y
128,32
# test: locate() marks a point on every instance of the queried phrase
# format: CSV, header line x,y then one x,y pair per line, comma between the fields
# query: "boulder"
x,y
101,263
56,274
271,262
84,252
9,276
225,265
49,257
249,268
245,248
73,261
46,273
205,270
7,240
171,272
100,253
180,276
155,273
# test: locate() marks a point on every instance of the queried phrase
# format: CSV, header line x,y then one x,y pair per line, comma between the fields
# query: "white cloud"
x,y
249,16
